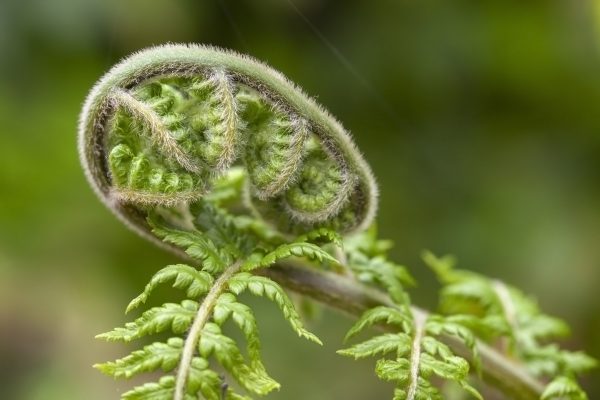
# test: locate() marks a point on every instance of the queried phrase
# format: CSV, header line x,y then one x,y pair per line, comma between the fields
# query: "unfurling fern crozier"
x,y
161,125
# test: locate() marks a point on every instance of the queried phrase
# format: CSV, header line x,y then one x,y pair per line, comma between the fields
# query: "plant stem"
x,y
419,320
346,294
204,313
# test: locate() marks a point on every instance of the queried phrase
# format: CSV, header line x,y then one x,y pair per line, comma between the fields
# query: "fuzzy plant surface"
x,y
225,162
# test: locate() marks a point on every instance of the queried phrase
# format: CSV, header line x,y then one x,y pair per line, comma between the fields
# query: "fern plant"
x,y
222,160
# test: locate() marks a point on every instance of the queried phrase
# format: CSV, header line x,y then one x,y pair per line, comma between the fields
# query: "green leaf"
x,y
197,245
220,229
176,317
329,235
263,286
227,187
474,295
578,361
196,283
380,314
157,355
372,266
470,389
491,309
564,387
445,271
367,243
161,390
225,350
438,325
392,277
299,249
382,344
227,307
202,379
487,328
450,367
393,370
433,356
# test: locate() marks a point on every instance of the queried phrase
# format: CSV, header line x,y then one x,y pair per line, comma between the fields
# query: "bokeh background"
x,y
480,119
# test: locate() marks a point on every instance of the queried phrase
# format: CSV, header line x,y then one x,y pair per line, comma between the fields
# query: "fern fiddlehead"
x,y
225,161
162,124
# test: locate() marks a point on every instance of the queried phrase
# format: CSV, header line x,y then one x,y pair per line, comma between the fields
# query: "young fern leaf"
x,y
197,246
417,346
194,282
418,353
367,258
201,380
517,319
161,390
381,314
564,387
252,377
379,345
157,355
330,236
174,317
263,286
296,249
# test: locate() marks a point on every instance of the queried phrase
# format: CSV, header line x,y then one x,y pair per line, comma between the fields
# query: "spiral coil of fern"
x,y
160,125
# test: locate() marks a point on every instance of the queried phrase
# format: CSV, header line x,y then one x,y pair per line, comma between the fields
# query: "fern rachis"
x,y
199,323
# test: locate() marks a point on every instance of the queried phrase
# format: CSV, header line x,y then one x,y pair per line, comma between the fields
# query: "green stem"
x,y
346,294
202,317
419,320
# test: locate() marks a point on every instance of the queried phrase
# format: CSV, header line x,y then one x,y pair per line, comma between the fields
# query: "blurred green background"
x,y
480,120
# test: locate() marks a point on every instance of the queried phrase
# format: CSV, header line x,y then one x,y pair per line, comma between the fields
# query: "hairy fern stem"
x,y
419,320
202,317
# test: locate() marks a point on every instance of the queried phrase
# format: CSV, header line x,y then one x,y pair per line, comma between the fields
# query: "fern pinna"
x,y
523,328
222,160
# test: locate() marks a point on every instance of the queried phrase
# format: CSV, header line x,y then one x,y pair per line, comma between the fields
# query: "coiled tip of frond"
x,y
161,125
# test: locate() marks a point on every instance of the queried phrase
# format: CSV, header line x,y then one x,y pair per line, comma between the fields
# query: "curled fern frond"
x,y
162,125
